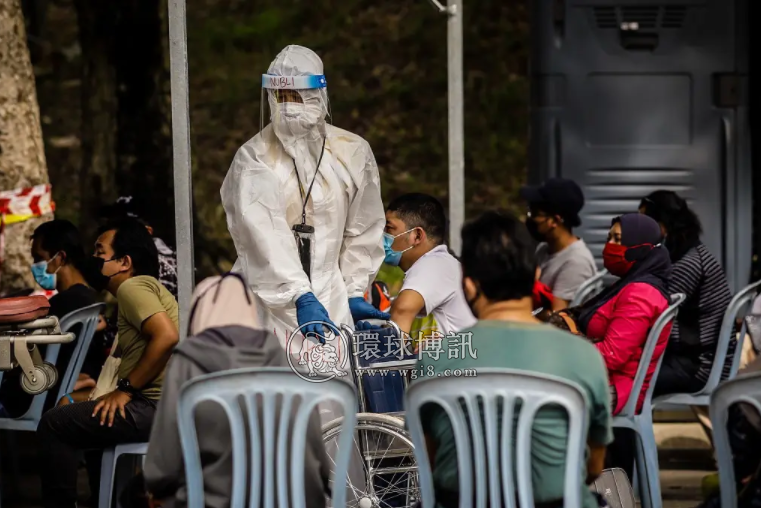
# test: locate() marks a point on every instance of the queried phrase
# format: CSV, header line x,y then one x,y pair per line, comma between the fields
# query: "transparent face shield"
x,y
297,104
294,104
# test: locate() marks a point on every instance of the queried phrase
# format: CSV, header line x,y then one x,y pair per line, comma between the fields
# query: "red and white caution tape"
x,y
23,204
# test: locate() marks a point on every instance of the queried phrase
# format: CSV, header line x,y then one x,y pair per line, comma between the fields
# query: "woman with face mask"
x,y
620,318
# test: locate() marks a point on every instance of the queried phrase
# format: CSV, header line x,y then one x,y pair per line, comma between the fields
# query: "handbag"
x,y
108,375
613,485
561,319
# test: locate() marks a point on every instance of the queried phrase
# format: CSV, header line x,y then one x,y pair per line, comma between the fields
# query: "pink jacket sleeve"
x,y
634,313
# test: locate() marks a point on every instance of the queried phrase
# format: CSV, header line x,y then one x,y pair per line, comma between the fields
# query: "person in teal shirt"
x,y
498,278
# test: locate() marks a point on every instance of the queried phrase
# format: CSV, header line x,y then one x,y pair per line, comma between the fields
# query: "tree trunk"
x,y
97,34
22,154
144,119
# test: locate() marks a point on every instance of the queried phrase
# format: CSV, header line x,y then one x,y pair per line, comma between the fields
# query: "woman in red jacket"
x,y
620,318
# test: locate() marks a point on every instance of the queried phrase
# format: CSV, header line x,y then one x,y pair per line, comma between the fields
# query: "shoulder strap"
x,y
113,346
569,322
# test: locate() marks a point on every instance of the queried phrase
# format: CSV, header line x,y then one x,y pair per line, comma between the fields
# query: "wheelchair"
x,y
383,449
24,325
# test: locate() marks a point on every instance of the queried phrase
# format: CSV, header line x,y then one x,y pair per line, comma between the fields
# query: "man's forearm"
x,y
152,363
403,320
595,462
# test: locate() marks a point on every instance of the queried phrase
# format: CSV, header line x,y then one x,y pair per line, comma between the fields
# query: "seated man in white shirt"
x,y
414,240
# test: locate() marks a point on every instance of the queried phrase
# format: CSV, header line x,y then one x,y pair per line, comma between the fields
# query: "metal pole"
x,y
183,182
456,129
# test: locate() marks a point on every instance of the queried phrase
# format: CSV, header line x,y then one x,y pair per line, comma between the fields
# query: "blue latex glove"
x,y
364,326
361,309
310,310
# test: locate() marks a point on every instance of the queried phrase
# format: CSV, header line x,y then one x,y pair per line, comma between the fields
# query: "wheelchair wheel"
x,y
52,373
38,385
382,470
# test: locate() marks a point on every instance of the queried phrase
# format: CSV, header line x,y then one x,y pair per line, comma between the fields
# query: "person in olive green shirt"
x,y
498,278
126,264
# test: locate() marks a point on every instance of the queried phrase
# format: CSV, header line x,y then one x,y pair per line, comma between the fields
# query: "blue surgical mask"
x,y
44,279
393,257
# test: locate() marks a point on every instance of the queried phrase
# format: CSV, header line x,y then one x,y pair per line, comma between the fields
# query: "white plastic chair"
x,y
739,303
270,393
589,288
108,473
484,447
744,388
646,451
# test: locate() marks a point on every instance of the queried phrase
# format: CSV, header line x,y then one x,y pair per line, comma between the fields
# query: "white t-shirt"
x,y
437,276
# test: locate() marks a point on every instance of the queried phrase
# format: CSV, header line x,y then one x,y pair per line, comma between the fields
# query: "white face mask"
x,y
293,121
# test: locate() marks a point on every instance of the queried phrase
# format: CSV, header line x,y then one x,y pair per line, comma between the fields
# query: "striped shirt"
x,y
696,332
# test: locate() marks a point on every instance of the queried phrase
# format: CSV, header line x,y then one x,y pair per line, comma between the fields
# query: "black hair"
x,y
132,239
418,210
682,225
498,254
62,236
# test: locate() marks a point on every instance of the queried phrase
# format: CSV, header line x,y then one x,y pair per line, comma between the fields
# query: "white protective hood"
x,y
262,202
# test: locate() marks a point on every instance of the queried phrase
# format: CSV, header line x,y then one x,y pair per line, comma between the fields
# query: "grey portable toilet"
x,y
633,96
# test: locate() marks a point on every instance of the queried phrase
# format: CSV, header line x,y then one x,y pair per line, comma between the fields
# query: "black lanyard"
x,y
309,191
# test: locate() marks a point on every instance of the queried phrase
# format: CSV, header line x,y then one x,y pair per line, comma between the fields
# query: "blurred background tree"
x,y
102,79
22,156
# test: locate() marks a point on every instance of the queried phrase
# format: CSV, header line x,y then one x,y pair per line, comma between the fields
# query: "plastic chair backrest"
x,y
484,447
744,388
741,301
668,315
253,400
589,288
87,317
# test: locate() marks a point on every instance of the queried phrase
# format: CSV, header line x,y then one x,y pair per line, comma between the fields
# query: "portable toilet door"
x,y
633,96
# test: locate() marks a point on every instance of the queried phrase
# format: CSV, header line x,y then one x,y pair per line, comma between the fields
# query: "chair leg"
x,y
107,470
701,415
635,481
650,457
640,472
125,471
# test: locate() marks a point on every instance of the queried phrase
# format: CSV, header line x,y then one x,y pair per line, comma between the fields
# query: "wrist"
x,y
298,295
356,294
125,386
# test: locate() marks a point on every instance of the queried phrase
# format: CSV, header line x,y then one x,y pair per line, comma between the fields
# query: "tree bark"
x,y
22,154
97,36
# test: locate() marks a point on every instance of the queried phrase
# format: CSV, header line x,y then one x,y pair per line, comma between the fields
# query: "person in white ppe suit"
x,y
304,208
